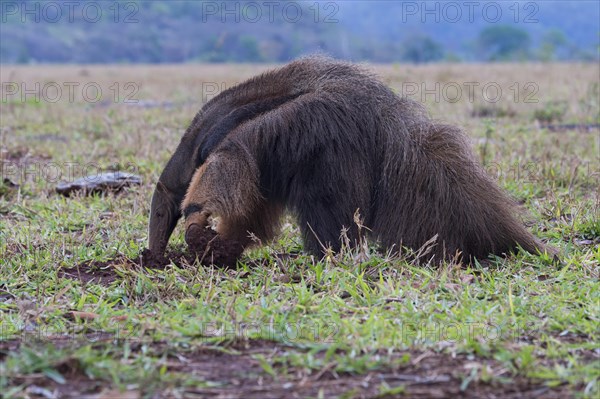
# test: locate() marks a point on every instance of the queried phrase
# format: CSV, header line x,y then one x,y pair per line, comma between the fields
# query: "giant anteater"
x,y
325,139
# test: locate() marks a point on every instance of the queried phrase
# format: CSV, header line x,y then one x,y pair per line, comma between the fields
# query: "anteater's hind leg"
x,y
326,202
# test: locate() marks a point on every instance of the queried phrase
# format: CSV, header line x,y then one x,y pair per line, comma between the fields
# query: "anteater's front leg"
x,y
226,189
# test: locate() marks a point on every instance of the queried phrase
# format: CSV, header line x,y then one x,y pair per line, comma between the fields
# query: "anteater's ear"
x,y
197,157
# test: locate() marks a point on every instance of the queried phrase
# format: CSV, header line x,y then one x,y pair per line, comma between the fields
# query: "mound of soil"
x,y
211,248
158,261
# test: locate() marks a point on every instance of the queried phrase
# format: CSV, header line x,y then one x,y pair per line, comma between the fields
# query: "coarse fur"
x,y
326,139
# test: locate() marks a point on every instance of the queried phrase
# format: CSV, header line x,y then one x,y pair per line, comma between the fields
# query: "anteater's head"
x,y
164,213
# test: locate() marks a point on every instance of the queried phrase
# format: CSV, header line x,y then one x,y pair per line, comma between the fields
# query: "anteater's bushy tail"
x,y
439,189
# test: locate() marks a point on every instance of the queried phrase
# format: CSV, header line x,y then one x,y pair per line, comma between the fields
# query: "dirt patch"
x,y
91,272
581,127
216,252
20,156
239,371
7,190
14,172
49,137
106,272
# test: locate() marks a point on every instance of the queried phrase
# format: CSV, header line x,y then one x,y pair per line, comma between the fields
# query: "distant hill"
x,y
276,31
393,22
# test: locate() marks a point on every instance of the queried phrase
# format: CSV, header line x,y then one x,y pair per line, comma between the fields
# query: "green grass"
x,y
522,317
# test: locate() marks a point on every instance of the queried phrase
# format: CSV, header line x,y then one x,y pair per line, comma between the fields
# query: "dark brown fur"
x,y
324,139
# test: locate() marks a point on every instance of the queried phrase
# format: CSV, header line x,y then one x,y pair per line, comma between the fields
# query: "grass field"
x,y
81,317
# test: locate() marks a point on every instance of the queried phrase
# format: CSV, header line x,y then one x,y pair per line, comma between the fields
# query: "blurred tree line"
x,y
243,31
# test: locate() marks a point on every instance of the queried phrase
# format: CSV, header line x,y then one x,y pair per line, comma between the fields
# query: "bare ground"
x,y
235,372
